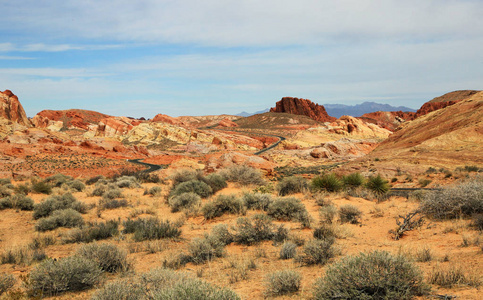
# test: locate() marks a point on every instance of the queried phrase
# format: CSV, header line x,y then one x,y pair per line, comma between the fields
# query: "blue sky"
x,y
191,57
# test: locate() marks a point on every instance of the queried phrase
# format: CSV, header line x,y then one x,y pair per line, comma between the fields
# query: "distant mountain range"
x,y
339,110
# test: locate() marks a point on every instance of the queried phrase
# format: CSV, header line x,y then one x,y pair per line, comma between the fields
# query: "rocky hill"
x,y
11,109
305,107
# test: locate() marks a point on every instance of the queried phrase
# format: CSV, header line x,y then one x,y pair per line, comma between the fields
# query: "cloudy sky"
x,y
192,57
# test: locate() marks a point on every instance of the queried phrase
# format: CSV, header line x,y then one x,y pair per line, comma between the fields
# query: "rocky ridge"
x,y
305,107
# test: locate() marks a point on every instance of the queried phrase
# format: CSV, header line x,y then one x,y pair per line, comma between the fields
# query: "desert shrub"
x,y
325,232
280,234
42,241
120,290
148,177
60,218
22,256
257,201
112,192
185,175
151,229
287,209
327,214
282,283
376,275
95,179
471,168
24,189
243,175
76,185
328,182
184,201
353,180
72,273
18,201
423,255
5,181
154,191
451,276
222,234
223,204
41,187
107,203
463,199
424,182
316,252
107,256
205,249
349,214
6,282
99,190
215,181
252,230
53,203
177,261
292,185
92,232
288,250
58,180
478,222
377,185
127,182
193,186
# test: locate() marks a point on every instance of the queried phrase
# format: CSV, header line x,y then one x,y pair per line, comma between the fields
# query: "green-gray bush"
x,y
76,185
184,201
6,282
107,256
151,229
185,175
223,204
286,209
192,186
317,252
60,218
18,201
205,249
123,289
288,250
221,233
41,187
376,275
154,191
349,214
72,273
258,201
128,182
282,283
253,230
92,232
292,185
328,182
464,199
243,175
107,203
215,181
58,179
53,203
325,232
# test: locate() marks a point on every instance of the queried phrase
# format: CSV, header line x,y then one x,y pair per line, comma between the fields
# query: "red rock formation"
x,y
303,107
432,106
72,118
389,120
166,119
11,109
113,126
227,123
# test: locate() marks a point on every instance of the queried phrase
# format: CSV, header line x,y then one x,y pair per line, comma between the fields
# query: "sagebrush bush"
x,y
243,175
252,230
155,191
72,273
95,179
107,203
317,252
463,199
378,185
292,185
258,201
325,232
18,201
7,281
376,275
123,289
478,222
60,218
92,232
76,185
288,250
112,192
193,186
99,190
205,249
349,214
184,201
448,277
127,182
107,256
287,209
327,214
185,175
353,180
222,234
41,187
22,256
282,283
328,182
223,204
53,203
58,180
216,181
151,229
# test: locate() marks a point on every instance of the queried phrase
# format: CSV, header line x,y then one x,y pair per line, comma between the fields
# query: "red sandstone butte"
x,y
11,109
304,107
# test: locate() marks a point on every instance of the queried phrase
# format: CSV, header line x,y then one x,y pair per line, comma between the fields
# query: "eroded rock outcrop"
x,y
70,119
11,109
305,107
389,120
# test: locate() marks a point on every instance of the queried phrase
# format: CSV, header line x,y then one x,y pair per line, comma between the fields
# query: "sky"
x,y
191,57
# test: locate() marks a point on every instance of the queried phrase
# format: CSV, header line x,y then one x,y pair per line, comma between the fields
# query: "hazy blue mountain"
x,y
245,114
338,110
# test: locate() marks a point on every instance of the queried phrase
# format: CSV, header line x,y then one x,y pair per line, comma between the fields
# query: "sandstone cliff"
x,y
304,107
70,119
11,109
